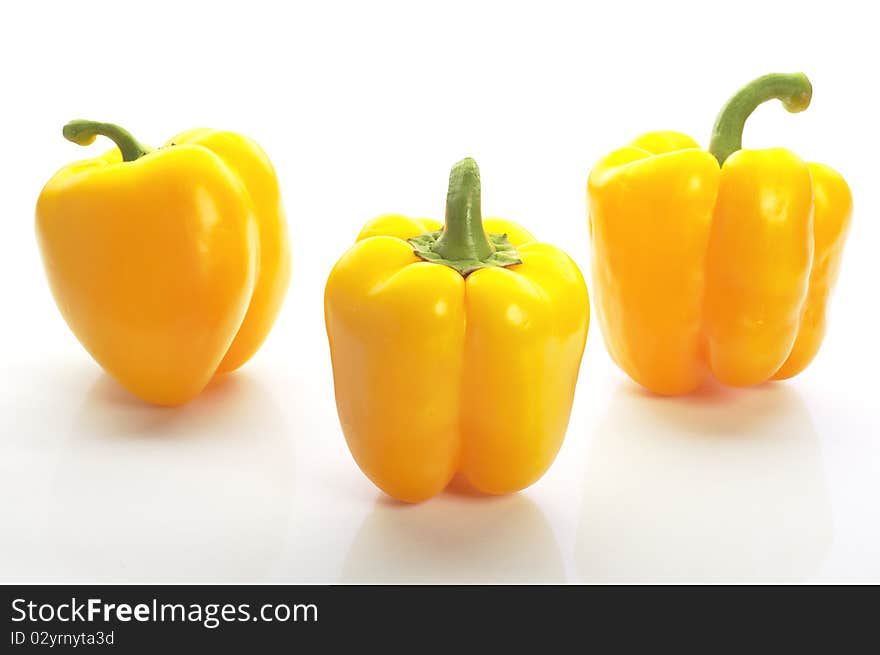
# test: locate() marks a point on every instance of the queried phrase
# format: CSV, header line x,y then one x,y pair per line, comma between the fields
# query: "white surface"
x,y
363,107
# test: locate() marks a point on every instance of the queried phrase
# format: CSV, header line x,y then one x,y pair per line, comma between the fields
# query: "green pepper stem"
x,y
84,133
793,89
463,236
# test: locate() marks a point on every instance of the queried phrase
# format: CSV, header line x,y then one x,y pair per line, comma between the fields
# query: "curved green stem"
x,y
793,89
463,236
84,132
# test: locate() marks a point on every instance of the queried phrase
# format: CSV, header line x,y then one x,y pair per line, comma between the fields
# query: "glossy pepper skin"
x,y
715,263
454,352
169,265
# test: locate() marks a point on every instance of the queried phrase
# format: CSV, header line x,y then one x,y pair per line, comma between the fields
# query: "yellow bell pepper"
x,y
454,350
169,265
716,263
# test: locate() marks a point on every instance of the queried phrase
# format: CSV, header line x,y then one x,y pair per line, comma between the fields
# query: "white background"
x,y
363,107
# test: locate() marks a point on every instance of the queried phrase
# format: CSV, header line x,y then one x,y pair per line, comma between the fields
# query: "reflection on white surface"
x,y
457,537
727,486
198,493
